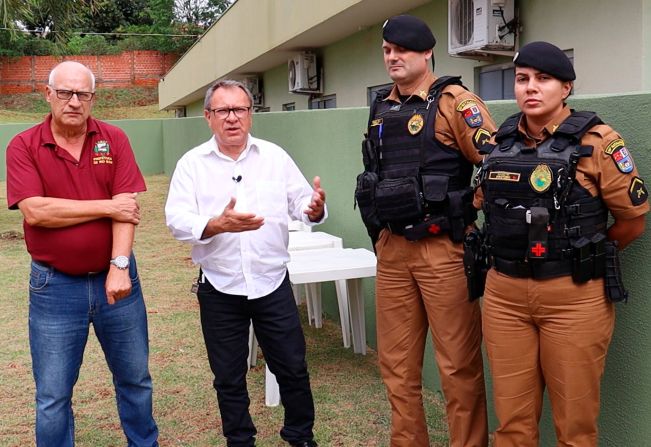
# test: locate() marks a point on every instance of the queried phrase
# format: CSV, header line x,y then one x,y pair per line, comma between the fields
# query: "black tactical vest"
x,y
535,211
410,158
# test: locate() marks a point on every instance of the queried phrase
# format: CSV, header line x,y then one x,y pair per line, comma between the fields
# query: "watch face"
x,y
121,262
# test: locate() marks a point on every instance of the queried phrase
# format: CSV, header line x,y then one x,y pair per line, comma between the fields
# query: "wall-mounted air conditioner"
x,y
254,84
480,27
303,73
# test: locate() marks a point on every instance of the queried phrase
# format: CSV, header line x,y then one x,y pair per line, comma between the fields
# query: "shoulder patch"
x,y
637,191
481,137
465,104
470,112
623,160
614,145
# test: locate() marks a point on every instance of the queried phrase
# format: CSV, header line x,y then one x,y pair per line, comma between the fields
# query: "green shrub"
x,y
36,46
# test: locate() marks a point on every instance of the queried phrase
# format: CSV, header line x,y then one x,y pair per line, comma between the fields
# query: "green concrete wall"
x,y
146,138
327,143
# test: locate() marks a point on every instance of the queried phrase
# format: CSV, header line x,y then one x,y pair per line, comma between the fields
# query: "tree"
x,y
200,12
48,17
11,11
109,15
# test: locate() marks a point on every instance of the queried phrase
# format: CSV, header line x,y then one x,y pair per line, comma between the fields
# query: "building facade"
x,y
609,43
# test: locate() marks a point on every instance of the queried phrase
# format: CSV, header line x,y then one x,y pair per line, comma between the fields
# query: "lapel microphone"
x,y
237,179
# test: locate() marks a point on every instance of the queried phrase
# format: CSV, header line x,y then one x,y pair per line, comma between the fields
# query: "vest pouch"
x,y
365,199
435,187
399,199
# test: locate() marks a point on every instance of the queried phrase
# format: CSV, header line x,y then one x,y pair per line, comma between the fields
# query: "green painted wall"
x,y
327,143
146,138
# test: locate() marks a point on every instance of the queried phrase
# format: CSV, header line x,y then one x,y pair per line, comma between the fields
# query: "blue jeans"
x,y
61,309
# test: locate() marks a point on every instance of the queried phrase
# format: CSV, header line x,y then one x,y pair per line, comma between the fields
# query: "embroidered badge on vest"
x,y
637,191
415,124
470,112
541,178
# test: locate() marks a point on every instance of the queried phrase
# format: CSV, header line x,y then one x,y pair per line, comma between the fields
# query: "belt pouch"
x,y
399,199
582,262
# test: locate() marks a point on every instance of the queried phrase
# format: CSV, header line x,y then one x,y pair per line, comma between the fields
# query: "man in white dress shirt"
x,y
230,197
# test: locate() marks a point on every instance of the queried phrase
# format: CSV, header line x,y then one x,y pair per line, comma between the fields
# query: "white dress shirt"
x,y
264,180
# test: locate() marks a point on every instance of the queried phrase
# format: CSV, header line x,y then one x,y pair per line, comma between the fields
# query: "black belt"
x,y
533,269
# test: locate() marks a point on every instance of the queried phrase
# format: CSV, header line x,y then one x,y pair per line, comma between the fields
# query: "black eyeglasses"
x,y
67,94
222,113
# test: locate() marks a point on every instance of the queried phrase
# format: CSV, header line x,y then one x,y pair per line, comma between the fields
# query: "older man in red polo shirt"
x,y
75,180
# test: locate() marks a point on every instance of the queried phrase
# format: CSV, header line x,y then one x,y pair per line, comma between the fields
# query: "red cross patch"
x,y
539,250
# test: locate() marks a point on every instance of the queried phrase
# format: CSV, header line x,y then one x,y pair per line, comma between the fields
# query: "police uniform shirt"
x,y
462,119
609,173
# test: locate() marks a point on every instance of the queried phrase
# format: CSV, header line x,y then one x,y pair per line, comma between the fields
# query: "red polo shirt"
x,y
36,166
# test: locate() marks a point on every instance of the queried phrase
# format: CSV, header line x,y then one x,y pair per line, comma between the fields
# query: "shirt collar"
x,y
549,128
422,90
47,138
212,148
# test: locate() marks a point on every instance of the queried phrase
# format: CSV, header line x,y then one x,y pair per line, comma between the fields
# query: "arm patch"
x,y
480,137
637,191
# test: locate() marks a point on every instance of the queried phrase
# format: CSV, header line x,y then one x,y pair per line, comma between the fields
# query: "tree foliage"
x,y
103,26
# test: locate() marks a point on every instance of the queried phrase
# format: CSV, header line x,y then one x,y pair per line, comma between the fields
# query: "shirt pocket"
x,y
272,198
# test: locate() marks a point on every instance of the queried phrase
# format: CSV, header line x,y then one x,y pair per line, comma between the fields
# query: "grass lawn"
x,y
350,400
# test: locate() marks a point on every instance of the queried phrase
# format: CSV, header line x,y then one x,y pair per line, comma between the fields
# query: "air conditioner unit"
x,y
480,27
254,84
303,74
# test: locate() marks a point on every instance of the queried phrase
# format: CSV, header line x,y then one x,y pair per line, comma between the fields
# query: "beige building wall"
x,y
611,46
610,40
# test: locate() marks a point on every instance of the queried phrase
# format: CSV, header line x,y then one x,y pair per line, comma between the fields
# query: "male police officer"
x,y
423,138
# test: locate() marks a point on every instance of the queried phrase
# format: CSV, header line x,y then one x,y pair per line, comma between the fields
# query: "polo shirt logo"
x,y
101,153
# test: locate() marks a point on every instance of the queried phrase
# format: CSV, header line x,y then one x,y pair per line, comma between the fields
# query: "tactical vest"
x,y
539,221
418,177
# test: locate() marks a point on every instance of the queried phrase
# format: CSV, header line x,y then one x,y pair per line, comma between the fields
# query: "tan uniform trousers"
x,y
421,284
552,333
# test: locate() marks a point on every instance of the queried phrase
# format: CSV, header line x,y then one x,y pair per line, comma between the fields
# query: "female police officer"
x,y
549,180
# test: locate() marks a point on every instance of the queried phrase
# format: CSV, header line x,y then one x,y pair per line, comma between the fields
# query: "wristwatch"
x,y
121,262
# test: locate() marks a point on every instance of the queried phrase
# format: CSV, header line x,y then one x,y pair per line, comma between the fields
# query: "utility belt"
x,y
429,226
584,260
588,259
406,208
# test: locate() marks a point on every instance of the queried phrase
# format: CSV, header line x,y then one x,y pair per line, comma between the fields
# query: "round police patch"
x,y
415,124
541,178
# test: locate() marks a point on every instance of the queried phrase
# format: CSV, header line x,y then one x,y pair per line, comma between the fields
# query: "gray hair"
x,y
225,83
50,80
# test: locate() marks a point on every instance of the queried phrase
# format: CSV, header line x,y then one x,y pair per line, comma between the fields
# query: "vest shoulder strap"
x,y
573,128
443,82
509,128
577,124
379,97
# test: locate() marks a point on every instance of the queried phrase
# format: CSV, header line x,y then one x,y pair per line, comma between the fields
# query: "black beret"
x,y
547,58
408,32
